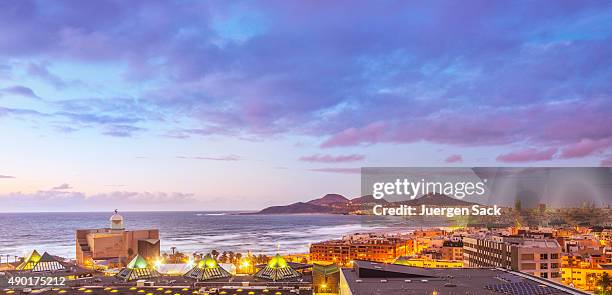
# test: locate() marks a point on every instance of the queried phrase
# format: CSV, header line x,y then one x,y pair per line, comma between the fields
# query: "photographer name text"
x,y
424,210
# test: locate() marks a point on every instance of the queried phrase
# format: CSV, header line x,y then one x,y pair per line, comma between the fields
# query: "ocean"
x,y
189,232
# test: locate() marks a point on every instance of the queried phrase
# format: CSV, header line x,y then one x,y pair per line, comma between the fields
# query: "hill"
x,y
329,200
296,208
369,199
338,204
437,200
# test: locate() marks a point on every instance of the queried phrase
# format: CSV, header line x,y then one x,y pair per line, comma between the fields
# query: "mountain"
x,y
338,204
329,200
330,203
437,200
369,199
296,208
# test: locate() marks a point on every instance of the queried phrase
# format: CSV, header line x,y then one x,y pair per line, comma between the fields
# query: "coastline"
x,y
189,231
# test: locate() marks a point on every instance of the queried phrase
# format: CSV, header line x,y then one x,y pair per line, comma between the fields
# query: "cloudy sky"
x,y
143,105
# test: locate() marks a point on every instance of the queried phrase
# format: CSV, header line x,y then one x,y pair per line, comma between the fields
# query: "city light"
x,y
245,264
158,263
190,262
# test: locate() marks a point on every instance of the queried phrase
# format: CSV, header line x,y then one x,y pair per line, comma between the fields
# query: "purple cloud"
x,y
454,159
219,158
19,112
469,74
473,126
319,158
6,176
121,130
528,155
63,186
19,90
40,70
337,170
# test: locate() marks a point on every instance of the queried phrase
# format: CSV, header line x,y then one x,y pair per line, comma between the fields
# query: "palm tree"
x,y
223,257
605,283
214,253
263,259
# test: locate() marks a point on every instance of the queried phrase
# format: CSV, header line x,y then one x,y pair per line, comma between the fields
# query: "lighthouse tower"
x,y
116,222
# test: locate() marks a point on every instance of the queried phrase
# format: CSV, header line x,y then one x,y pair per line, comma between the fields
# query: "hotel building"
x,y
538,257
381,249
115,244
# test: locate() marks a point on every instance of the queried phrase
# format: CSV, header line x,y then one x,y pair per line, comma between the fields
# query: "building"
x,y
96,245
452,250
426,262
42,263
379,278
381,249
47,265
208,269
30,261
138,269
582,274
585,278
277,269
129,288
538,257
325,279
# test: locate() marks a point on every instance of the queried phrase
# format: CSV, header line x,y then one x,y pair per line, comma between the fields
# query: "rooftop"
x,y
378,278
157,290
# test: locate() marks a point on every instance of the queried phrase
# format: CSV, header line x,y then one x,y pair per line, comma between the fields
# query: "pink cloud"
x,y
540,126
584,147
332,159
528,155
370,133
454,159
338,170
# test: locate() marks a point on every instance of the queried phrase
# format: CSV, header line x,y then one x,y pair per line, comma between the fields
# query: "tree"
x,y
214,254
604,284
223,257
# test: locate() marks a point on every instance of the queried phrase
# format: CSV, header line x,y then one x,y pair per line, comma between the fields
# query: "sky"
x,y
232,105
